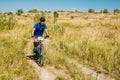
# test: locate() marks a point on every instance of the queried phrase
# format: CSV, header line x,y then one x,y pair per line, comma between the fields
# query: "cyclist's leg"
x,y
35,44
35,41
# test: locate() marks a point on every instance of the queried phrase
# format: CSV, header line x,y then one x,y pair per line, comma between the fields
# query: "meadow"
x,y
91,39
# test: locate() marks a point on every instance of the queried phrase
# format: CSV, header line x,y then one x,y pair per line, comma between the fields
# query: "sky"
x,y
52,5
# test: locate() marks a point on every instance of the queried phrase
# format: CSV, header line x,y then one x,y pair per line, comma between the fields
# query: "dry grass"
x,y
91,39
13,62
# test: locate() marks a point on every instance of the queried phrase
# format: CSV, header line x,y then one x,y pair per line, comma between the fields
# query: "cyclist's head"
x,y
42,20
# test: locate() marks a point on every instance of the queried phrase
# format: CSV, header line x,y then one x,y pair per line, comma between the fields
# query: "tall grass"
x,y
93,42
7,22
56,58
94,45
13,62
38,15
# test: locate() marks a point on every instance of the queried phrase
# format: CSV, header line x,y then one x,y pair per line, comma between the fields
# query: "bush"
x,y
8,13
104,11
56,15
19,12
91,11
60,11
72,17
33,11
116,11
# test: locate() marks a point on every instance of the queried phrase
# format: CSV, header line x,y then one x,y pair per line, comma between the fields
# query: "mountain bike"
x,y
40,50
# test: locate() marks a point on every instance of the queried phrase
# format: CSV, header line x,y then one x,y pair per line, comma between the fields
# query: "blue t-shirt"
x,y
39,29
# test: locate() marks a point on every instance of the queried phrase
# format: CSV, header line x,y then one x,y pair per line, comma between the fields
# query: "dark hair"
x,y
42,19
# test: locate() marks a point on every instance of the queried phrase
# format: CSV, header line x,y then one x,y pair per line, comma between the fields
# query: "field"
x,y
90,39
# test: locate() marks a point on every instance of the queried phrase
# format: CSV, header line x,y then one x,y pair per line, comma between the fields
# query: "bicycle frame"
x,y
40,51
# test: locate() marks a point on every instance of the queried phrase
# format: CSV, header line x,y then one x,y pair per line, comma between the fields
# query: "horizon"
x,y
54,5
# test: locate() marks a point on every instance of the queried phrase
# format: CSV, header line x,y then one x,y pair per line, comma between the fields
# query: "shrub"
x,y
116,11
104,11
60,11
56,15
72,17
19,12
33,11
10,13
91,11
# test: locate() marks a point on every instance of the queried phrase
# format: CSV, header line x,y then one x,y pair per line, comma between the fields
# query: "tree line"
x,y
20,11
104,11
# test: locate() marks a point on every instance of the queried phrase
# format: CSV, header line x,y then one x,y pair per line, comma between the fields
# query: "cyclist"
x,y
38,30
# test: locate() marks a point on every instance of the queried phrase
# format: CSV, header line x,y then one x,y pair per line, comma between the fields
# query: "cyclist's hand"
x,y
47,36
32,36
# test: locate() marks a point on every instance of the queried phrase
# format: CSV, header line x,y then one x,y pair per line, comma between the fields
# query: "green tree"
x,y
105,11
10,13
116,11
19,12
91,11
34,11
60,11
56,15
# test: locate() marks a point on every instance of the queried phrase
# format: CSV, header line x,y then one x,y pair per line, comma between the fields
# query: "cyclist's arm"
x,y
46,32
33,31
